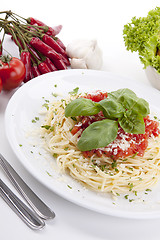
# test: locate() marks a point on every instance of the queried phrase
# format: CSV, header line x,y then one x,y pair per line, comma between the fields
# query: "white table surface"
x,y
103,20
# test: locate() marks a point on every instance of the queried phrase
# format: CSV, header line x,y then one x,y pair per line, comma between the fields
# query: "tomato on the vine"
x,y
12,72
0,84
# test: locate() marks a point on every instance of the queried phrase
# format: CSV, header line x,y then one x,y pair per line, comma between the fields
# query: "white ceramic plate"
x,y
26,104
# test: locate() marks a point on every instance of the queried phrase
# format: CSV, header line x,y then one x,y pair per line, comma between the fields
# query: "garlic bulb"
x,y
85,54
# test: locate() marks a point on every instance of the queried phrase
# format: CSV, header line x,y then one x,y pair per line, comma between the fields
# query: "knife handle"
x,y
29,217
33,200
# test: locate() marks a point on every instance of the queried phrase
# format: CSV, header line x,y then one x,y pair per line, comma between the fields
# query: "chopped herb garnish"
x,y
74,118
103,167
46,127
55,155
130,168
114,164
126,196
69,186
55,85
46,106
20,145
49,174
54,94
55,112
51,128
66,148
94,165
134,155
148,190
125,159
130,186
35,119
135,192
74,91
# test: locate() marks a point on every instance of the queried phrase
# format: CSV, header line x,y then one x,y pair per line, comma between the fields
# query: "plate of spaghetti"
x,y
92,137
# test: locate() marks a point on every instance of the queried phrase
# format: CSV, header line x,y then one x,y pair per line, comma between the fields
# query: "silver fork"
x,y
28,216
33,200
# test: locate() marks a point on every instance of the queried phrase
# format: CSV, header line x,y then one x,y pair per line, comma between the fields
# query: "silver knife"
x,y
33,200
28,216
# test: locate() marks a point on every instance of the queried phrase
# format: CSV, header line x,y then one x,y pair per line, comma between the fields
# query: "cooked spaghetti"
x,y
97,169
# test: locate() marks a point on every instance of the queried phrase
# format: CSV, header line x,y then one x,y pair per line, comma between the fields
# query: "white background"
x,y
104,21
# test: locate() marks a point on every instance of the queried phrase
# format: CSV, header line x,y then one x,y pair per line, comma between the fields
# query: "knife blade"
x,y
33,200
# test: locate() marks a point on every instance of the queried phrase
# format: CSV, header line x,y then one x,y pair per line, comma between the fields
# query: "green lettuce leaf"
x,y
142,35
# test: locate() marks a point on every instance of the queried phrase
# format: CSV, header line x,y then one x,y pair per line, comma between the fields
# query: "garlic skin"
x,y
85,54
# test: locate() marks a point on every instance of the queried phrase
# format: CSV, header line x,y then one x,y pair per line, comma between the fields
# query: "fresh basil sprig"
x,y
122,105
135,110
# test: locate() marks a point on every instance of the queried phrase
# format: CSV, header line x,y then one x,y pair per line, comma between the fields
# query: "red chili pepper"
x,y
60,43
53,44
51,31
43,68
26,59
33,53
50,65
60,65
44,49
66,60
35,71
1,49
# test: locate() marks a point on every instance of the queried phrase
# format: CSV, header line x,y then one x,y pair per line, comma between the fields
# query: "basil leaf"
x,y
111,108
142,107
81,107
135,103
120,92
99,134
132,122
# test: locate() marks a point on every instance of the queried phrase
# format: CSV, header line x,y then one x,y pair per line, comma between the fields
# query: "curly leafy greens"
x,y
121,107
142,35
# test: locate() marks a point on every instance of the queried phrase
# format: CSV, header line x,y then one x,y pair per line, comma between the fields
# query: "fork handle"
x,y
33,200
29,217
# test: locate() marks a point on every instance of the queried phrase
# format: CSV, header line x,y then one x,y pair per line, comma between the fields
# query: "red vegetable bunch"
x,y
40,49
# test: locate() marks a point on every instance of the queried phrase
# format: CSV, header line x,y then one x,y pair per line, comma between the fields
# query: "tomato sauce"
x,y
126,144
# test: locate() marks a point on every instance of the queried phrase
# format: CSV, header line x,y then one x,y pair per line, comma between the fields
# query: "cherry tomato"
x,y
12,72
0,84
